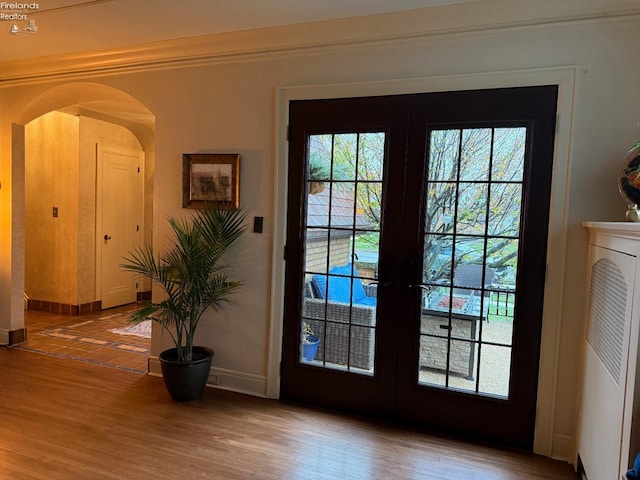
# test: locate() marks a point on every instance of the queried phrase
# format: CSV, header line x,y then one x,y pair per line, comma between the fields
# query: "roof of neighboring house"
x,y
342,213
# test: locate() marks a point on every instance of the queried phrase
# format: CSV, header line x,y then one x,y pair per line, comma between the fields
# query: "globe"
x,y
629,179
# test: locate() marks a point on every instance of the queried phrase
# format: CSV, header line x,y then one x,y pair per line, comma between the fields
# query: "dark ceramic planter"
x,y
186,381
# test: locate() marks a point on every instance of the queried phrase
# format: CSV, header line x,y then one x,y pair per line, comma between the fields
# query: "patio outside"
x,y
472,213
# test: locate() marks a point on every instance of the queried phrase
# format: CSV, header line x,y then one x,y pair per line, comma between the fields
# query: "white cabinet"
x,y
608,424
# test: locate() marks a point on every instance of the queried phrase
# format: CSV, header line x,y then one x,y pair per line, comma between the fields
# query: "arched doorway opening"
x,y
59,259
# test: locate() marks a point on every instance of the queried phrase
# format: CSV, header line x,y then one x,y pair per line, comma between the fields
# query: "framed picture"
x,y
211,177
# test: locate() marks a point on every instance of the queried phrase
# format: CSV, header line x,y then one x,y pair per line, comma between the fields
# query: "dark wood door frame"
x,y
336,389
321,387
535,107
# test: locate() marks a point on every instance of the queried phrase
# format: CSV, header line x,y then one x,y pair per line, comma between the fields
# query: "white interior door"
x,y
118,221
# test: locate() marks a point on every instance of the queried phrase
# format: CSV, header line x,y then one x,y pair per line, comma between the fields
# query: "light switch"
x,y
55,212
257,224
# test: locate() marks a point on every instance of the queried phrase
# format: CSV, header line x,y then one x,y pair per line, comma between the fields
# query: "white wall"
x,y
228,104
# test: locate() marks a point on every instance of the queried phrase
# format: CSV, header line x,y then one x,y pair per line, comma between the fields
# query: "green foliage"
x,y
460,208
320,169
192,271
368,241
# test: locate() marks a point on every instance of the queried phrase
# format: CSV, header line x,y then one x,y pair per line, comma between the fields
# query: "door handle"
x,y
426,288
107,237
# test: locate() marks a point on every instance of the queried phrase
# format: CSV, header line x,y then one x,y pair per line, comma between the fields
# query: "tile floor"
x,y
87,338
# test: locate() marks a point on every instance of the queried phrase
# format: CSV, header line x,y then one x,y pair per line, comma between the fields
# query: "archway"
x,y
83,99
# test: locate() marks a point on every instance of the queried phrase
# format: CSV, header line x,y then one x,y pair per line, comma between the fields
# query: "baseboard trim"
x,y
144,296
225,379
13,337
74,310
64,308
563,448
154,366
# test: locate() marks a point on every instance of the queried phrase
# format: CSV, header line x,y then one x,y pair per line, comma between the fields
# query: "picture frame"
x,y
211,177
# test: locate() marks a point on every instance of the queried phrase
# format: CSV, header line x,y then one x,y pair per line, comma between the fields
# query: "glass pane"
x,y
369,201
336,342
462,361
367,265
318,208
505,209
438,258
339,249
440,207
345,156
366,256
371,156
476,153
472,208
441,320
473,201
309,352
495,369
317,245
472,280
433,354
469,250
433,323
342,234
332,343
343,197
462,370
444,146
312,328
503,258
362,348
499,325
508,154
320,157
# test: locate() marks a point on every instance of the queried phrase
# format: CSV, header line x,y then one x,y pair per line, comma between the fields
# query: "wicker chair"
x,y
333,321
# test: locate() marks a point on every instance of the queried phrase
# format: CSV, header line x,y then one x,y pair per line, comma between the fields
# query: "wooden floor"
x,y
64,420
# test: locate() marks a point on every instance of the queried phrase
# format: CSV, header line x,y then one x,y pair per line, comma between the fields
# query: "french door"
x,y
416,247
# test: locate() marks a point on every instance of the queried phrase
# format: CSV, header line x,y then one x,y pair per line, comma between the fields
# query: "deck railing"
x,y
502,301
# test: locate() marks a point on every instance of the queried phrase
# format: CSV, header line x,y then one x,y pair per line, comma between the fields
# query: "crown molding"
x,y
459,19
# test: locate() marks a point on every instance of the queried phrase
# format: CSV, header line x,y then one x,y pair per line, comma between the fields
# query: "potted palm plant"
x,y
193,272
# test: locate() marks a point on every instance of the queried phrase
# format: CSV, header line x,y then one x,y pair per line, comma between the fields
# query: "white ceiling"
x,y
73,26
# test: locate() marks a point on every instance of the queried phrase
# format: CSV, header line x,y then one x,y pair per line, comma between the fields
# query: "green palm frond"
x,y
192,271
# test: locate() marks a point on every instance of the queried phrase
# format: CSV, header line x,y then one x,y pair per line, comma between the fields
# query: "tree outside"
x,y
473,194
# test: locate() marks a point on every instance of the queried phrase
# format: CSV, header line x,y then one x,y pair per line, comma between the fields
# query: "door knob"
x,y
107,237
